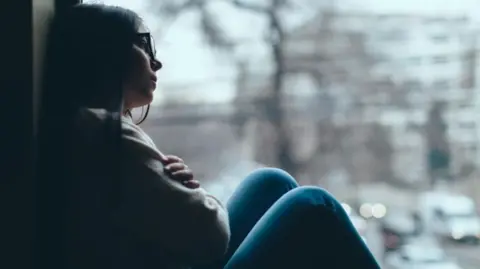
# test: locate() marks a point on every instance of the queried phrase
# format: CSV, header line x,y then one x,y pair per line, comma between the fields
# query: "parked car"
x,y
397,227
450,216
420,255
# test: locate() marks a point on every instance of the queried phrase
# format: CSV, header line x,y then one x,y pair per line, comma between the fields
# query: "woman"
x,y
126,204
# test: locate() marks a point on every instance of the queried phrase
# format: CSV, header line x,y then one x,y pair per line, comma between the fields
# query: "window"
x,y
467,125
340,75
441,38
441,84
471,152
382,58
413,84
440,59
414,127
414,60
396,35
384,84
434,20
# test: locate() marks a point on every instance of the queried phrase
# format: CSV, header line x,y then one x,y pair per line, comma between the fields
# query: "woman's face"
x,y
142,80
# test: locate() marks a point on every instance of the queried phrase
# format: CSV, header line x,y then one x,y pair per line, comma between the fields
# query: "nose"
x,y
156,65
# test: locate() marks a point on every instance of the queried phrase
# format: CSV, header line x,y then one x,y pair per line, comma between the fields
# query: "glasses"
x,y
145,42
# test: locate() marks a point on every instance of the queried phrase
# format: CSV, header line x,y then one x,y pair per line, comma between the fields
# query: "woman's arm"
x,y
187,222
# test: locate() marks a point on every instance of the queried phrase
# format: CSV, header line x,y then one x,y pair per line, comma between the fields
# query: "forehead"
x,y
142,28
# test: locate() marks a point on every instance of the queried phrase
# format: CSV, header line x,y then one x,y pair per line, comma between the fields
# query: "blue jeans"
x,y
277,224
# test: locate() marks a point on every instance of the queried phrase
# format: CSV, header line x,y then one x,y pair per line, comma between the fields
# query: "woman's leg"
x,y
253,197
306,228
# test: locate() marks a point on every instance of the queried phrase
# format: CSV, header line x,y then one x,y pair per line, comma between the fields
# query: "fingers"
x,y
163,158
183,174
179,171
172,159
173,167
192,184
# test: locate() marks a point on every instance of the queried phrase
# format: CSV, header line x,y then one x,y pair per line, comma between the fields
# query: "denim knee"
x,y
314,197
270,178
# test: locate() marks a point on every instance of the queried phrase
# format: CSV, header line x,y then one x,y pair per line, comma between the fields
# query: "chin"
x,y
148,97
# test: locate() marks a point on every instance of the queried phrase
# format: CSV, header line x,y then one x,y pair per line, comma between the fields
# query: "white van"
x,y
450,216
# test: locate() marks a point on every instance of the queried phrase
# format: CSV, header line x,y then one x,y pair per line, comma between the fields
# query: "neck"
x,y
127,113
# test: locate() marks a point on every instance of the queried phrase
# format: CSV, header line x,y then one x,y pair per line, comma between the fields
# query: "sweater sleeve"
x,y
189,223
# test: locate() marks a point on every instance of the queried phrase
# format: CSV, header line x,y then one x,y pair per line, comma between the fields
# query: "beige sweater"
x,y
190,223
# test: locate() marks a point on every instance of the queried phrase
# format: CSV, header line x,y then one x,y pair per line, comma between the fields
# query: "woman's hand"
x,y
176,169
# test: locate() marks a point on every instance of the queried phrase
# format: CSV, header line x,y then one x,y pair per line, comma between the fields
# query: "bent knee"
x,y
312,196
269,178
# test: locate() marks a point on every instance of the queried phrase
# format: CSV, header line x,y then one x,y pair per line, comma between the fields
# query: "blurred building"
x,y
389,68
360,70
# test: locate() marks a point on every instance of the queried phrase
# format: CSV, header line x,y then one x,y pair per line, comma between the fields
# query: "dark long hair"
x,y
88,55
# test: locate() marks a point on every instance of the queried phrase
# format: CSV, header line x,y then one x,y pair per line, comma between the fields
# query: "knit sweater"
x,y
188,226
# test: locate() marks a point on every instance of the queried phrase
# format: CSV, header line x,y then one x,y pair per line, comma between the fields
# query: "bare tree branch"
x,y
276,38
250,7
209,25
174,8
213,33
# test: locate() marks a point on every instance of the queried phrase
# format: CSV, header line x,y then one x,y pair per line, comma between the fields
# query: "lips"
x,y
154,82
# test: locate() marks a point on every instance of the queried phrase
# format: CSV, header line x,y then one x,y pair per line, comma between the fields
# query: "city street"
x,y
467,256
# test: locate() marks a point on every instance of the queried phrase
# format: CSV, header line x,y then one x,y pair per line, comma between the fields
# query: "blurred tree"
x,y
216,37
438,155
379,145
467,169
277,135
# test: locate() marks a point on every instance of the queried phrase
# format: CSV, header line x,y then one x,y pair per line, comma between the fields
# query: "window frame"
x,y
47,246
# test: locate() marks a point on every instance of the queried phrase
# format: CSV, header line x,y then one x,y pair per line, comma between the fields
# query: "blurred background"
x,y
376,101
